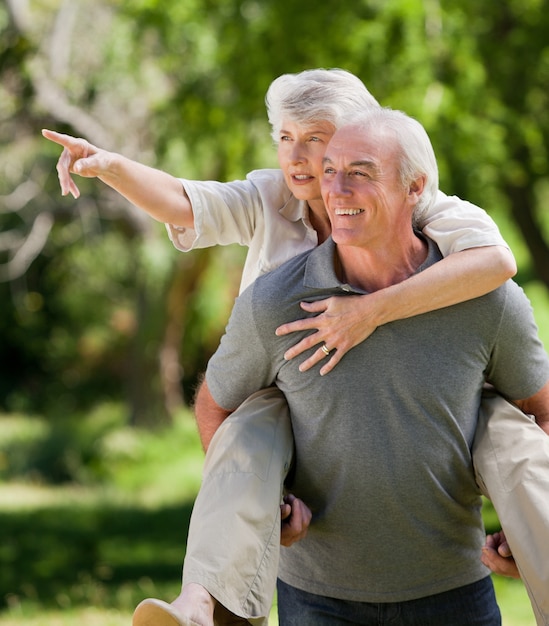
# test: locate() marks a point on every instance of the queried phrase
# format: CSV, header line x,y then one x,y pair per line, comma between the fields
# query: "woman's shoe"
x,y
153,612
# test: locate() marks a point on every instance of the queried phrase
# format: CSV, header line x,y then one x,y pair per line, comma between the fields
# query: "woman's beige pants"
x,y
511,459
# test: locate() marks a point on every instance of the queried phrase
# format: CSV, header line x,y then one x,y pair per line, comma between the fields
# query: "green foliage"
x,y
18,437
181,85
64,450
99,449
105,543
75,555
539,297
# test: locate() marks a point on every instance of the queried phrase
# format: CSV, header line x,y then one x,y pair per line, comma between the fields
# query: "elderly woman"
x,y
232,549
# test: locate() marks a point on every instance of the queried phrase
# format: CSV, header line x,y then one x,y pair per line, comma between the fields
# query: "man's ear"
x,y
416,189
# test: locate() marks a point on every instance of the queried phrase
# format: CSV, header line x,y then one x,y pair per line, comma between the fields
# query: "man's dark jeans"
x,y
472,605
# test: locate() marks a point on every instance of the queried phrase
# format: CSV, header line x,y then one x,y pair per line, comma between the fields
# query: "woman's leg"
x,y
511,459
234,536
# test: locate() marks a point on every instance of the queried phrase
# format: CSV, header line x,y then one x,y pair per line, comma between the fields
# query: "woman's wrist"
x,y
380,306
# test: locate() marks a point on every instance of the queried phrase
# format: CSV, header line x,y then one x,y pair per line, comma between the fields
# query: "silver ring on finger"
x,y
325,350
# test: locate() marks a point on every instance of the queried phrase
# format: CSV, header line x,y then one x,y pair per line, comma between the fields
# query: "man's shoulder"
x,y
286,278
514,294
506,302
273,294
509,290
273,298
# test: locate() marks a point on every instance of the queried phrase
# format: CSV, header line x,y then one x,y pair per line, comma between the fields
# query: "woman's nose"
x,y
298,153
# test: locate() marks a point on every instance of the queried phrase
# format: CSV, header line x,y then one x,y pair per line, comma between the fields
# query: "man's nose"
x,y
338,184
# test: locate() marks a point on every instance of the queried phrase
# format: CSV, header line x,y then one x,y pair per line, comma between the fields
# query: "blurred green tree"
x,y
98,305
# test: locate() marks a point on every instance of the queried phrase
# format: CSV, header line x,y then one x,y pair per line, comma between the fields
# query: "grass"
x,y
514,603
88,554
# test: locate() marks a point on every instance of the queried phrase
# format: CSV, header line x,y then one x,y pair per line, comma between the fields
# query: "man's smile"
x,y
348,211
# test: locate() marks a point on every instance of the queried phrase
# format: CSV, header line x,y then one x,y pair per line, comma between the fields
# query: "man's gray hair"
x,y
415,151
319,95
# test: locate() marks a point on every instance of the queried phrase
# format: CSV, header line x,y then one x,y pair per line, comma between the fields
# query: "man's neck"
x,y
372,269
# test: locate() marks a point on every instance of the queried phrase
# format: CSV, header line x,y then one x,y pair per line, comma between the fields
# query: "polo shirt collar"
x,y
320,267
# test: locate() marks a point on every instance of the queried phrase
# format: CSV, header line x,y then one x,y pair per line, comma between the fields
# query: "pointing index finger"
x,y
63,140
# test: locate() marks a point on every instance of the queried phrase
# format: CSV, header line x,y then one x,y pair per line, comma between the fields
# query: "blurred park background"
x,y
105,327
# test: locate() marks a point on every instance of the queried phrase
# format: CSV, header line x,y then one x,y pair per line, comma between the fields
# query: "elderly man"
x,y
383,444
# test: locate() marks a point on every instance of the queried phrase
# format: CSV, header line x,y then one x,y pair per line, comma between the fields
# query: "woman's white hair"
x,y
320,95
415,151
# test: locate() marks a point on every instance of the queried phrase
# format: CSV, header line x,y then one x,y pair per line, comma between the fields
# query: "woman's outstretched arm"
x,y
157,193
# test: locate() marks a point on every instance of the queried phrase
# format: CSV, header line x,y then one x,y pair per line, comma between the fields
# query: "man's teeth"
x,y
348,211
